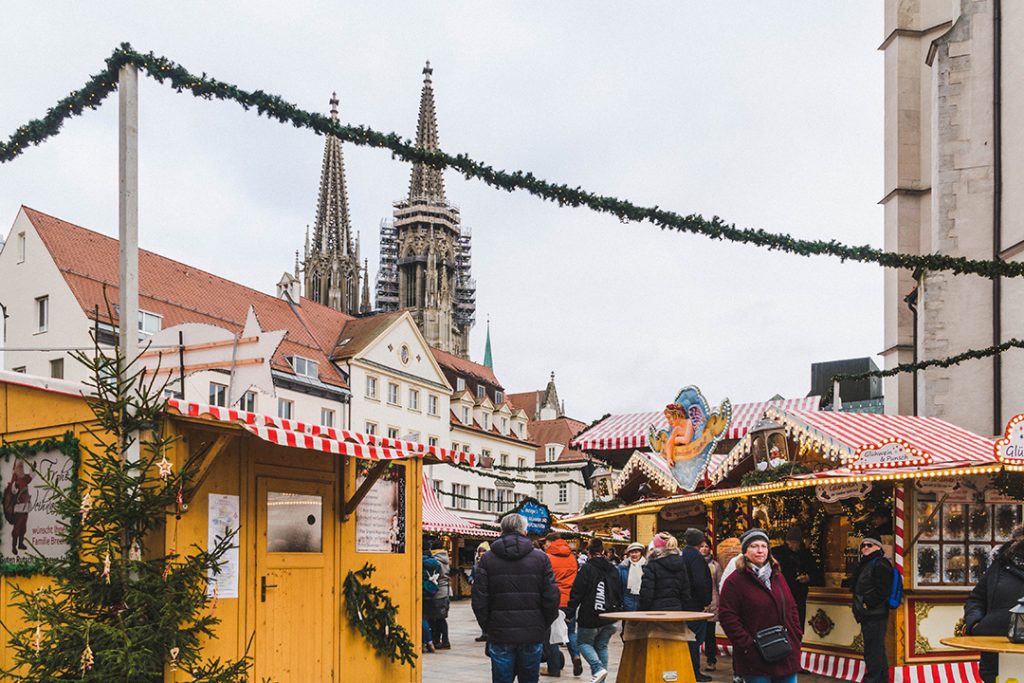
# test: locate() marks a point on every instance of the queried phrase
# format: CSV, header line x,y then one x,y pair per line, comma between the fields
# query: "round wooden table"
x,y
1011,655
659,651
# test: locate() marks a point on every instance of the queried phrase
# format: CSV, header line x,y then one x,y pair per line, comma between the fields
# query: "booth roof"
x,y
617,432
439,519
295,434
953,451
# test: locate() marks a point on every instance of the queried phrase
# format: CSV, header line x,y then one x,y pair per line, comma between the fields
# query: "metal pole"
x,y
128,224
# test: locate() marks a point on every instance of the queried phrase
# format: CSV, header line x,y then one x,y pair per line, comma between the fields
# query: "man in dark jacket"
x,y
700,594
597,589
987,612
871,585
799,569
515,600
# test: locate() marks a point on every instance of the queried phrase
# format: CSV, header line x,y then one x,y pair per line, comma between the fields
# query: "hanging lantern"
x,y
1016,632
768,444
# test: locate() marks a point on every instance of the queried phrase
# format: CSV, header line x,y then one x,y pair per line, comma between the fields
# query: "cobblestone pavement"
x,y
466,662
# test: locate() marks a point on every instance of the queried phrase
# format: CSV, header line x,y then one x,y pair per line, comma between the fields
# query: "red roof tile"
x,y
463,366
527,401
184,294
560,430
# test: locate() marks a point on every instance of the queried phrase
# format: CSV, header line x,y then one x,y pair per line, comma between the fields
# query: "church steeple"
x,y
427,182
488,361
332,233
331,262
364,301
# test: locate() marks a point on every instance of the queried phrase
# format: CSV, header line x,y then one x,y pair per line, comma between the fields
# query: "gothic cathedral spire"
x,y
427,182
331,261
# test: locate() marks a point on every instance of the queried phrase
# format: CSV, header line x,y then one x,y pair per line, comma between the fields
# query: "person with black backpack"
x,y
987,611
596,590
872,585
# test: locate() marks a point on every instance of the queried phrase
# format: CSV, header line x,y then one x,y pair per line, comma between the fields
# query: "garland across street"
x,y
99,86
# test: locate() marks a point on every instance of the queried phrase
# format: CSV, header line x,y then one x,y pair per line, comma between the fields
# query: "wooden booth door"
x,y
294,591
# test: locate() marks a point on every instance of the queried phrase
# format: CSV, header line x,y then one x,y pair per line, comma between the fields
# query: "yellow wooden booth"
x,y
289,593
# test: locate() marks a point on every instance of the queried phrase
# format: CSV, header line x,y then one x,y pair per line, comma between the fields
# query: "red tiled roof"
x,y
358,333
560,430
183,294
463,366
526,401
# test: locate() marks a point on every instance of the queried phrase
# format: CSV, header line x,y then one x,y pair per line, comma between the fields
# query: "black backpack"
x,y
608,592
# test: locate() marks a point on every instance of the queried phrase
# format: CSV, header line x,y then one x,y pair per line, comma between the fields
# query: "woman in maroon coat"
x,y
754,597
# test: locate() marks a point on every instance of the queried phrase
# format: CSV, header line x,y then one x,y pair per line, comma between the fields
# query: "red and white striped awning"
x,y
439,519
295,434
618,432
845,433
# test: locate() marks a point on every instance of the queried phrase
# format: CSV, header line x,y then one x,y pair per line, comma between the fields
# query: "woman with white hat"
x,y
631,569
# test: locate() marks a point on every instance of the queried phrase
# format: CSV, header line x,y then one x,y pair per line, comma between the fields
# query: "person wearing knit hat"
x,y
799,568
631,571
751,536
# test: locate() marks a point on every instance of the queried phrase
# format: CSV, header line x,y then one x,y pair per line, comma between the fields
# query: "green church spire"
x,y
488,362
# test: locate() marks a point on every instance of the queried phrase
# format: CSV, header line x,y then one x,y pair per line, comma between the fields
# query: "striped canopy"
x,y
295,434
618,432
439,519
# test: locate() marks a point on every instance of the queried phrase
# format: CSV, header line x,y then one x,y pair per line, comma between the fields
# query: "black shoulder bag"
x,y
773,642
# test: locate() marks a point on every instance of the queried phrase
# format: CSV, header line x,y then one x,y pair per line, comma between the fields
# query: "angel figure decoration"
x,y
693,432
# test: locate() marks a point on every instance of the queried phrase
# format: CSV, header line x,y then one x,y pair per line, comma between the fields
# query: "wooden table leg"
x,y
655,660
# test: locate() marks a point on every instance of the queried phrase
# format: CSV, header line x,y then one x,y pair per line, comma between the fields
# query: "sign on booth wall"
x,y
833,493
30,524
222,518
950,489
538,516
1010,449
380,515
889,453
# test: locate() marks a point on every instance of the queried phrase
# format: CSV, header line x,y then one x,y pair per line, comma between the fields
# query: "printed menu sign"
x,y
380,516
31,527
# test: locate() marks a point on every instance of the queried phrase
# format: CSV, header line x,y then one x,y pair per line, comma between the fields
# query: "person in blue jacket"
x,y
631,570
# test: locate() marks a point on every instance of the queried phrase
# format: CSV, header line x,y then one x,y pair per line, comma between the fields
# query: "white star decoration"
x,y
165,467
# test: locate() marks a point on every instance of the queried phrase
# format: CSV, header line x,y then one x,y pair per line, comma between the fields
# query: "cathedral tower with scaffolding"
x,y
425,252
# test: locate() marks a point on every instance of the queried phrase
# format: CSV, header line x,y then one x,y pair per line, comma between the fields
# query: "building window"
x,y
42,314
371,387
481,391
460,384
414,399
504,425
487,421
218,395
326,417
460,496
393,394
57,368
955,543
432,404
563,493
485,455
21,247
540,493
432,440
304,366
284,408
371,428
522,463
552,453
438,488
248,402
392,432
504,459
499,397
485,499
149,323
465,415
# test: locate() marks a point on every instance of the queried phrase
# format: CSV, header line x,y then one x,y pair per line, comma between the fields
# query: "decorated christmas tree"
x,y
125,603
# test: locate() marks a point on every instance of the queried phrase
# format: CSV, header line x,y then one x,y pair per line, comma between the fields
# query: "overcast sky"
x,y
767,114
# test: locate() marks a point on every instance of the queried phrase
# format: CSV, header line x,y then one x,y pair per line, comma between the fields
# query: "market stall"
x,y
938,495
459,536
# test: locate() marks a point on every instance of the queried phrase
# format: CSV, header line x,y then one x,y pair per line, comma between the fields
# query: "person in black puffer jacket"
x,y
987,611
666,583
515,600
871,585
596,590
700,595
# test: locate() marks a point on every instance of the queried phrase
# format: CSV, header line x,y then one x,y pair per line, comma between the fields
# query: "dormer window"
x,y
499,397
149,323
465,415
304,366
487,421
504,425
481,391
460,384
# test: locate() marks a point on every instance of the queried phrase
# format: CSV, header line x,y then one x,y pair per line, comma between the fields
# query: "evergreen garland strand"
x,y
372,613
273,106
949,361
505,477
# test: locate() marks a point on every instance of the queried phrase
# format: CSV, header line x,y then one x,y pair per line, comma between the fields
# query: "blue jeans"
x,y
428,637
515,659
553,651
700,630
593,644
791,678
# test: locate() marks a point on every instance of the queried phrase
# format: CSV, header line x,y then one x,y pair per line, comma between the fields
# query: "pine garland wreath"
x,y
372,613
773,474
508,478
97,88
